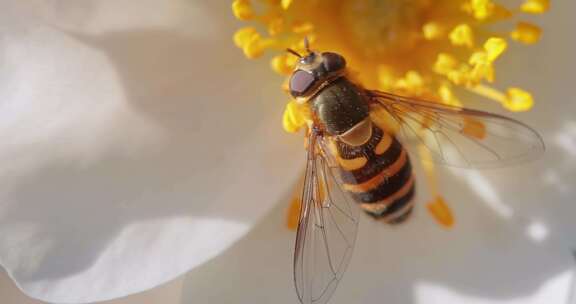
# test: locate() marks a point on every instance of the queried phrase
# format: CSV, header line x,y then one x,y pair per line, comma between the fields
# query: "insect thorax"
x,y
340,106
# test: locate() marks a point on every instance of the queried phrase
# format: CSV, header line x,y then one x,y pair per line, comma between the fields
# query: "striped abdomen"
x,y
379,176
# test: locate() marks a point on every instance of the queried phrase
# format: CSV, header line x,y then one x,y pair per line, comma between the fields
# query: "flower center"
x,y
384,27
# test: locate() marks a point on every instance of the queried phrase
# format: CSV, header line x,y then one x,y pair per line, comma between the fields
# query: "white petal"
x,y
132,151
484,259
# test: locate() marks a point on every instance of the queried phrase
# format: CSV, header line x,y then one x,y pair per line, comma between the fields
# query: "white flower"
x,y
119,172
135,142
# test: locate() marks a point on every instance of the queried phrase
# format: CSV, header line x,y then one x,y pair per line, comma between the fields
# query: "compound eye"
x,y
333,62
300,82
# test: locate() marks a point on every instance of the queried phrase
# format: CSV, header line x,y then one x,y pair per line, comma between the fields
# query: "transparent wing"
x,y
326,232
458,136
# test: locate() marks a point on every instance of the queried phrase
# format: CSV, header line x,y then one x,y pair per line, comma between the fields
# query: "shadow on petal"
x,y
485,257
222,141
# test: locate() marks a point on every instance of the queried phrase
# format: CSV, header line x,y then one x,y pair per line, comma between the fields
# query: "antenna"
x,y
307,44
293,52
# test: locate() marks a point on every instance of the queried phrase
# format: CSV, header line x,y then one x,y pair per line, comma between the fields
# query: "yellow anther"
x,y
515,99
286,4
480,72
254,45
295,116
432,31
527,33
253,48
481,67
244,35
478,57
535,6
441,212
251,42
414,79
276,26
412,82
242,9
481,9
283,64
494,47
462,35
444,63
457,77
460,76
431,59
288,125
447,96
518,100
393,48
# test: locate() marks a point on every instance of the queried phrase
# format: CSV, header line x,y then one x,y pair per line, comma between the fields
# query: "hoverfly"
x,y
354,161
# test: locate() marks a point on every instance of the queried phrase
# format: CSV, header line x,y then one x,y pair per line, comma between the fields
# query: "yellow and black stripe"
x,y
379,176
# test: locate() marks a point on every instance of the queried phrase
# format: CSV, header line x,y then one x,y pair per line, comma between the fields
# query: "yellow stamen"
x,y
481,9
447,96
459,76
481,67
527,33
428,165
286,4
441,212
462,35
438,207
244,35
489,92
276,26
494,47
252,42
432,31
295,116
420,48
535,6
515,99
518,100
288,125
445,63
420,63
412,82
283,64
242,9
